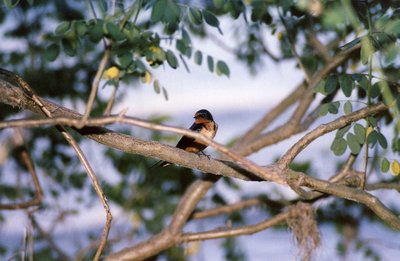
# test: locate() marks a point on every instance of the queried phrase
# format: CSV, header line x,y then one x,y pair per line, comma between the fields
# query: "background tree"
x,y
347,51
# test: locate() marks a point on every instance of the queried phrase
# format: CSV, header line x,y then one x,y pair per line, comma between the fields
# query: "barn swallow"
x,y
204,124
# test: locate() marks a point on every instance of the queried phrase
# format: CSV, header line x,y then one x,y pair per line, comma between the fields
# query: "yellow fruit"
x,y
395,168
112,73
146,78
369,130
155,49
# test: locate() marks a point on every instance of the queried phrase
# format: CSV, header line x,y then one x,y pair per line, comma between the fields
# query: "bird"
x,y
203,123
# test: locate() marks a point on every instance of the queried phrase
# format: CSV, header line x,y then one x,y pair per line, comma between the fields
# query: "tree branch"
x,y
170,236
227,209
340,122
349,193
26,159
231,232
95,85
293,125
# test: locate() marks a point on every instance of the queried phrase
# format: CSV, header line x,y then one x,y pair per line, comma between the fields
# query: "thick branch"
x,y
132,145
353,194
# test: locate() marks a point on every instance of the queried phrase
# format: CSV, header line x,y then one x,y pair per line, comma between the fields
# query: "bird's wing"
x,y
186,141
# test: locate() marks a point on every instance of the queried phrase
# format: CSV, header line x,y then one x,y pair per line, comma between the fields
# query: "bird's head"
x,y
202,116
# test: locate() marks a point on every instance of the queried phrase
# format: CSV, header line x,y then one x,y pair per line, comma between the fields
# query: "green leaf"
x,y
334,107
323,110
157,87
372,138
171,59
346,84
353,143
157,13
350,44
52,52
195,16
80,27
347,108
140,67
218,3
393,27
166,11
211,19
165,93
339,146
185,49
125,59
96,32
210,63
372,121
62,28
69,47
366,49
385,165
198,57
331,83
186,37
360,133
361,79
382,140
342,131
222,68
172,13
115,33
321,87
10,4
375,91
391,53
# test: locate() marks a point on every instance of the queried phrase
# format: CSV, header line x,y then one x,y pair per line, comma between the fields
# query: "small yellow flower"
x,y
112,73
395,168
146,78
155,49
369,130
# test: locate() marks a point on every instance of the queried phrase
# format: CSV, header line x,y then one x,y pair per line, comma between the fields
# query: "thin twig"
x,y
227,209
231,232
95,85
293,48
61,254
110,102
26,159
